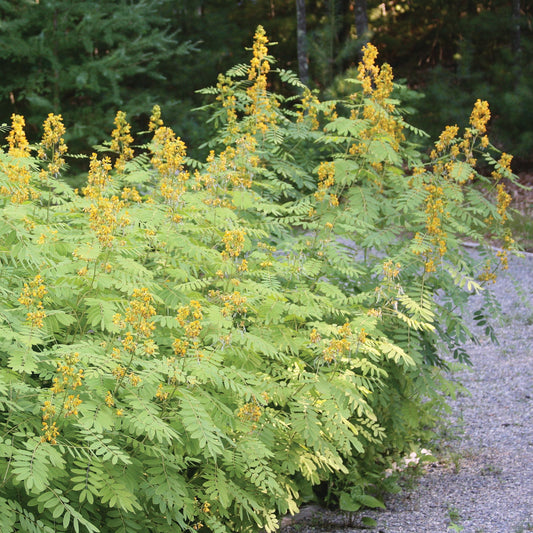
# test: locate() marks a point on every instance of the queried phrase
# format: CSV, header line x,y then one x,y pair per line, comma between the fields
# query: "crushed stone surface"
x,y
483,479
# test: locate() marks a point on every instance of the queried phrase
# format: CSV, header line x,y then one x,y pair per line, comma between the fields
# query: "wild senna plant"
x,y
202,346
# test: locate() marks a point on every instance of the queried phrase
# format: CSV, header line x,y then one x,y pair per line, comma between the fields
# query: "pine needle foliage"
x,y
200,345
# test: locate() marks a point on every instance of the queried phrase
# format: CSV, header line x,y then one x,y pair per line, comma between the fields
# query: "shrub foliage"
x,y
191,345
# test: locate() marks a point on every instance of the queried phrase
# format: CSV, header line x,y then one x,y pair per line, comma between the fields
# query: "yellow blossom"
x,y
53,147
250,411
109,400
480,116
122,140
50,431
71,405
155,119
18,144
234,241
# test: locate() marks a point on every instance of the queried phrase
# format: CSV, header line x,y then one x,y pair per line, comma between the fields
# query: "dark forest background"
x,y
87,59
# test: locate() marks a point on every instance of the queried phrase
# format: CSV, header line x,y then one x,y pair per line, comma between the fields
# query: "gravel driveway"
x,y
483,482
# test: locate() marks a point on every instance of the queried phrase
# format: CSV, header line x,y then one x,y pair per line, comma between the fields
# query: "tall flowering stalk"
x,y
17,171
261,108
121,141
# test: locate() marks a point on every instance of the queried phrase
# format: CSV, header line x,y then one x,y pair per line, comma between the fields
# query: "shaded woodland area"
x,y
88,59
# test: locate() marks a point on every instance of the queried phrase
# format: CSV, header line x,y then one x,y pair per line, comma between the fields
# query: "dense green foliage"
x,y
189,345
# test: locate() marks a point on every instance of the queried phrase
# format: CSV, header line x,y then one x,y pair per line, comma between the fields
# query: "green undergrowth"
x,y
204,345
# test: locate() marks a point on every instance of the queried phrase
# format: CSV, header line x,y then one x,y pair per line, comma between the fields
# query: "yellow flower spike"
x,y
109,400
180,347
377,85
54,130
121,141
261,106
98,177
480,116
503,201
18,144
48,410
134,379
446,138
250,412
234,241
314,336
71,405
368,71
17,170
160,394
50,433
54,143
155,119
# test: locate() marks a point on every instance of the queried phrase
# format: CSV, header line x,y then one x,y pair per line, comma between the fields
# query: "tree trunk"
x,y
303,59
361,23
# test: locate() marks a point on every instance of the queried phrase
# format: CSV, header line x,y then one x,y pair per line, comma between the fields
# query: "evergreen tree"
x,y
85,60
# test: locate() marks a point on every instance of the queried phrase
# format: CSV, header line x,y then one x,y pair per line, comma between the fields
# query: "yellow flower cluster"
x,y
377,84
139,312
53,146
131,194
71,405
309,109
49,429
105,219
449,142
229,102
189,317
508,244
250,412
98,177
435,204
503,198
168,156
446,138
18,144
109,400
230,168
261,106
161,394
326,179
121,141
70,379
18,188
367,68
71,376
391,270
138,316
234,303
234,242
337,348
31,298
180,347
488,273
314,336
155,119
480,116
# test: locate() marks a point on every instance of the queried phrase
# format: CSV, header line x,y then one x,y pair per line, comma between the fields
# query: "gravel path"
x,y
483,482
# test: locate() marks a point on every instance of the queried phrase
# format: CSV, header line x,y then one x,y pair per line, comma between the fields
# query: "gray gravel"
x,y
483,480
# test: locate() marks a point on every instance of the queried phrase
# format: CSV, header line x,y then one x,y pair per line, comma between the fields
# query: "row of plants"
x,y
204,345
